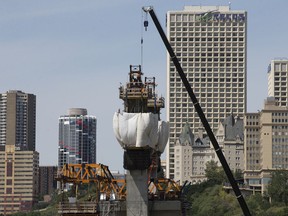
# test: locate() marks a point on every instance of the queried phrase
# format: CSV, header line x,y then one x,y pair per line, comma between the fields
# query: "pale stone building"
x,y
230,137
191,155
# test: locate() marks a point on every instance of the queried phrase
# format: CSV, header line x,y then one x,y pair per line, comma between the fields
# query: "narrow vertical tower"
x,y
77,138
18,120
141,134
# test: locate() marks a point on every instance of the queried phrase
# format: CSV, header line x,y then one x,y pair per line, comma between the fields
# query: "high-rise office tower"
x,y
277,80
210,42
19,162
18,120
77,138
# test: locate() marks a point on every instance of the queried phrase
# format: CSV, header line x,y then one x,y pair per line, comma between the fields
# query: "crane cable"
x,y
142,18
145,22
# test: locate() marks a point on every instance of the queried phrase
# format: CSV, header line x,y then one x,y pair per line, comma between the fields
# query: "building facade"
x,y
183,157
18,120
77,138
230,136
252,141
269,149
47,180
191,155
277,80
210,43
19,162
18,180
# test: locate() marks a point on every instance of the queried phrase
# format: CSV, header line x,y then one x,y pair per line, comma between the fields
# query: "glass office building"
x,y
77,138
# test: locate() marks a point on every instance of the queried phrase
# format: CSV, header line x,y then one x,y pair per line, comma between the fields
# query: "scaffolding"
x,y
110,192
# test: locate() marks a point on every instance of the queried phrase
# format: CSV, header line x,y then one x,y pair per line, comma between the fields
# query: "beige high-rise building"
x,y
210,43
18,120
19,162
18,180
252,141
266,144
277,80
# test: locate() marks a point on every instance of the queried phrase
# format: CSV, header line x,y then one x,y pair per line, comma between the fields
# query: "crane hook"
x,y
145,24
146,10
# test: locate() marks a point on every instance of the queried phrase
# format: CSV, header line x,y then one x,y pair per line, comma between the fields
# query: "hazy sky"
x,y
75,53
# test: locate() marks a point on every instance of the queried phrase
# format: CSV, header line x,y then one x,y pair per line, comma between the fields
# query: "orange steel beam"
x,y
99,173
86,173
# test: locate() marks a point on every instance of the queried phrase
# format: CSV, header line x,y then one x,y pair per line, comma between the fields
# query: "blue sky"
x,y
73,53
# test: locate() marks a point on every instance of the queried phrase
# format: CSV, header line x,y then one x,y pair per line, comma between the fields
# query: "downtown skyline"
x,y
60,51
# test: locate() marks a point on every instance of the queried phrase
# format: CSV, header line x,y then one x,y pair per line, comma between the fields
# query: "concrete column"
x,y
137,193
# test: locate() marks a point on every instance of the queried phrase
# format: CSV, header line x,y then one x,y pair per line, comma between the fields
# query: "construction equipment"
x,y
107,185
200,112
114,189
143,137
139,96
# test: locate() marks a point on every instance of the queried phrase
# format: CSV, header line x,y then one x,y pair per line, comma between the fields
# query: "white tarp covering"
x,y
140,130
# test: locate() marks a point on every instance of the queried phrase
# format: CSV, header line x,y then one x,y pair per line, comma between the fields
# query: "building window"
x,y
9,182
9,169
8,190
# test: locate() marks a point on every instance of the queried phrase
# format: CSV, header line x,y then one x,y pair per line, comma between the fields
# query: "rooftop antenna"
x,y
229,5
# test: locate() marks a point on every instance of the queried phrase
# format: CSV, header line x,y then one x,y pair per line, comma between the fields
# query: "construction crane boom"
x,y
200,112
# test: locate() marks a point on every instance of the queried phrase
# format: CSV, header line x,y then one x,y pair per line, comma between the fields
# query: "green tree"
x,y
258,205
278,187
238,174
215,173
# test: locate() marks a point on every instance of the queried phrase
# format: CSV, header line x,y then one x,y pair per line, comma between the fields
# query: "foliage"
x,y
40,205
209,198
57,198
278,187
26,214
238,174
49,211
212,201
257,204
215,173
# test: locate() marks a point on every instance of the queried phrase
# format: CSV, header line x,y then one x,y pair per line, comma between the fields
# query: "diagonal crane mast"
x,y
200,112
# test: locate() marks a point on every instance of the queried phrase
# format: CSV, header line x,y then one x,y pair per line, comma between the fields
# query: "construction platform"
x,y
118,208
164,195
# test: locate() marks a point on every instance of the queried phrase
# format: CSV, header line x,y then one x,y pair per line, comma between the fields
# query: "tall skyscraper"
x,y
210,42
277,80
77,138
19,162
18,120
